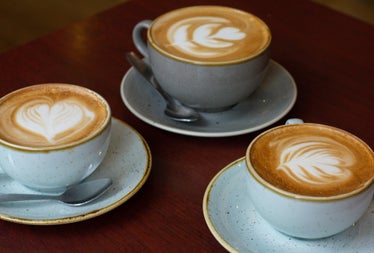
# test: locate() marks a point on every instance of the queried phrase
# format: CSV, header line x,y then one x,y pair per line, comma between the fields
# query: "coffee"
x,y
210,34
312,160
51,115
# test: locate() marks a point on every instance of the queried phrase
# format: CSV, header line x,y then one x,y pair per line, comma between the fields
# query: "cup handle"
x,y
294,121
137,36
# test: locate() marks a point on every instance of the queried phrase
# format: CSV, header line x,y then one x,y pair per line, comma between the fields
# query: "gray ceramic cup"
x,y
206,83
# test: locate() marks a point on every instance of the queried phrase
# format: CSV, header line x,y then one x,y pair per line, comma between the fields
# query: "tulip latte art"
x,y
314,161
210,33
50,115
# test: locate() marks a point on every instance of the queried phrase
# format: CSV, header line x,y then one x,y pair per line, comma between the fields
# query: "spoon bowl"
x,y
75,195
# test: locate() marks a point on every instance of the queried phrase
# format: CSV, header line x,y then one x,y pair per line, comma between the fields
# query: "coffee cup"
x,y
53,135
208,57
310,180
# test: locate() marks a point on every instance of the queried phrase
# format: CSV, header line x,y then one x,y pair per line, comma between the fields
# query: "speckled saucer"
x,y
234,222
269,103
127,163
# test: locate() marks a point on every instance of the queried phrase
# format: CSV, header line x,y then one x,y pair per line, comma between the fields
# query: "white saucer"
x,y
238,228
270,102
127,163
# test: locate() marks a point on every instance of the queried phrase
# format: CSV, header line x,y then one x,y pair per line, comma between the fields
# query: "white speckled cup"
x,y
53,168
304,215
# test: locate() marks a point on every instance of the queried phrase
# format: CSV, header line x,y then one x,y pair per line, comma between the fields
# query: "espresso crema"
x,y
50,115
210,34
312,160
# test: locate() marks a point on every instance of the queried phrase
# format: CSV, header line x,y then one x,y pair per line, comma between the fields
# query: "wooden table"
x,y
330,56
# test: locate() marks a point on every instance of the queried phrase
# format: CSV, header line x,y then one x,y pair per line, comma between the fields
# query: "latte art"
x,y
49,119
209,34
51,115
205,36
319,163
312,160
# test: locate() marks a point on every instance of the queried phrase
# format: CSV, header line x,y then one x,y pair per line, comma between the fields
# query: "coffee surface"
x,y
50,115
312,160
210,33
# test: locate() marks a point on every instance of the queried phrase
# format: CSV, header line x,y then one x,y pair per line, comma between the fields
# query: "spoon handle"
x,y
10,197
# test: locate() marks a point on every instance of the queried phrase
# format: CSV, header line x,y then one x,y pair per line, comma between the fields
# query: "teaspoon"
x,y
75,195
174,109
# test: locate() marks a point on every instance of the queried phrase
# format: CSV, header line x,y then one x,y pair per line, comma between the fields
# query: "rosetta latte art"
x,y
204,37
316,162
50,120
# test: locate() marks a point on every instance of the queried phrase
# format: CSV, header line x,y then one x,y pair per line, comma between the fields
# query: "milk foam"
x,y
202,36
319,162
312,160
209,34
49,119
51,115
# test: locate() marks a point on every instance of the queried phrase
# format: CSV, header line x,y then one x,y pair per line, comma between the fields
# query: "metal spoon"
x,y
174,109
75,195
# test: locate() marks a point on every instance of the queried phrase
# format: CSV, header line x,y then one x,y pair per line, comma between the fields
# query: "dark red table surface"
x,y
330,56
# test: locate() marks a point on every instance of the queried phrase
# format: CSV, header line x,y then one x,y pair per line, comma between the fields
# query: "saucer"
x,y
269,103
234,222
127,163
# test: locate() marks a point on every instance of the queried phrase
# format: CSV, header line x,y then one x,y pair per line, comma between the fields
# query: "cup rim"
x,y
209,63
296,196
86,139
